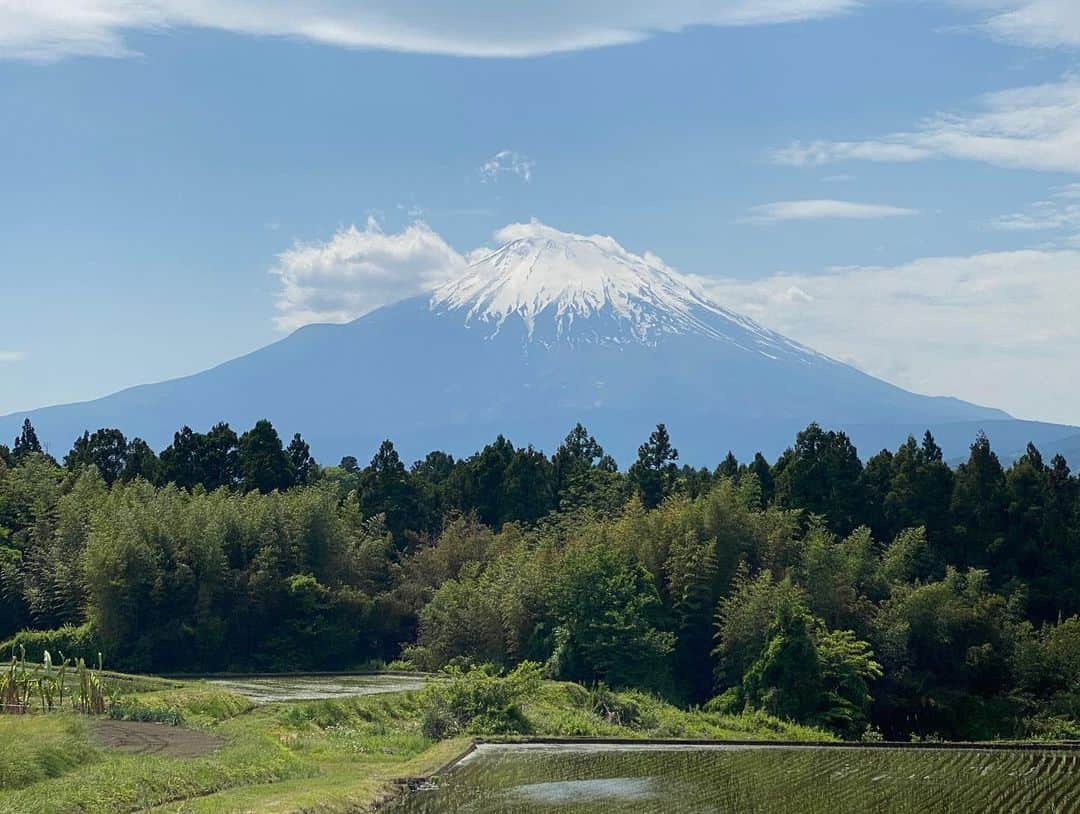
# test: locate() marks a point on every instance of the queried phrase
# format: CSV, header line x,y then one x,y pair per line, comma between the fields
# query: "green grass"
x,y
36,749
349,751
198,705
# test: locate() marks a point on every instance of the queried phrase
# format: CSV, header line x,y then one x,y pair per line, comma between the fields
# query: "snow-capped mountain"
x,y
573,288
545,330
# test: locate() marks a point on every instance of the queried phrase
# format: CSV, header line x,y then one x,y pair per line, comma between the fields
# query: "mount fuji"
x,y
549,329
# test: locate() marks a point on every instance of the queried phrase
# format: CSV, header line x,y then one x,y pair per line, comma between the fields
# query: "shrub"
x,y
131,709
620,710
480,701
73,641
198,704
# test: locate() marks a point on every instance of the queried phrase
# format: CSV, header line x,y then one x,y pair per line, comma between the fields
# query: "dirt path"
x,y
154,739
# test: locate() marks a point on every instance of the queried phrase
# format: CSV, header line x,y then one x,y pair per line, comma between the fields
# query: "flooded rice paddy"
x,y
273,689
595,779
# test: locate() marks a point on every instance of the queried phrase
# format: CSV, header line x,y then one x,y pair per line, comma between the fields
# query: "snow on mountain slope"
x,y
572,288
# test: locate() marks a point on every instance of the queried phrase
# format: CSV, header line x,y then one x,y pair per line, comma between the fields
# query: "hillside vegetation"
x,y
897,598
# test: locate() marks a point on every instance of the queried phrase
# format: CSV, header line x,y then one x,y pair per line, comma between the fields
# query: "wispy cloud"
x,y
1041,23
1040,216
816,153
507,162
819,209
358,270
12,356
1035,127
52,29
1059,216
993,328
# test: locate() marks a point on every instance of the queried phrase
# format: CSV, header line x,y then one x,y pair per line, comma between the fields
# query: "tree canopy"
x,y
900,597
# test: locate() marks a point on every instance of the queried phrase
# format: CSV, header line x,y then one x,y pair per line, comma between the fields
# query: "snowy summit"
x,y
566,287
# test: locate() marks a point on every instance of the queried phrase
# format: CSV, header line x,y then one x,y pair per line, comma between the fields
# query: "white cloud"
x,y
816,153
357,271
1035,127
822,208
51,29
1060,213
507,162
997,329
1039,216
12,356
1041,23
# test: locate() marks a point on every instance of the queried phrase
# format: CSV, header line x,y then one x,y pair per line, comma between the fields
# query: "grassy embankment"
x,y
316,756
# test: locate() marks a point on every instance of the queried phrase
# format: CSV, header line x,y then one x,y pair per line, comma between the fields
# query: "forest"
x,y
893,598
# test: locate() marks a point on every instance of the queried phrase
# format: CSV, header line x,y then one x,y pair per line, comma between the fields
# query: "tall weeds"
x,y
22,682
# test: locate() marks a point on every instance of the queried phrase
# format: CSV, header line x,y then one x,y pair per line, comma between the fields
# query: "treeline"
x,y
897,597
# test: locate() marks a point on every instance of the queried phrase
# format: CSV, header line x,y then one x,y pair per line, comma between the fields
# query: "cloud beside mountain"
x,y
358,270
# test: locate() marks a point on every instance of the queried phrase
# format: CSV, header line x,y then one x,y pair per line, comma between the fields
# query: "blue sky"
x,y
894,183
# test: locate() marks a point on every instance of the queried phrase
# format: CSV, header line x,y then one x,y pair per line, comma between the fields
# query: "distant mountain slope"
x,y
1067,447
545,331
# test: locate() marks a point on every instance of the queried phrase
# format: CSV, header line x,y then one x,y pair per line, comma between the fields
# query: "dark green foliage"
x,y
802,670
54,583
107,449
75,642
761,469
606,616
209,460
27,443
263,463
785,679
821,474
479,700
945,648
303,465
141,462
653,473
387,490
693,604
183,581
502,484
578,468
430,477
729,467
978,508
743,620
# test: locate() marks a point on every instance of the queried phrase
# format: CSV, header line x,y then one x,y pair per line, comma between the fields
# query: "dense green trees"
x,y
262,463
194,581
822,474
901,595
194,458
27,443
654,472
106,450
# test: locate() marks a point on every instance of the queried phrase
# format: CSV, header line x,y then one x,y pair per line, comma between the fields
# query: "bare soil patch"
x,y
143,738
